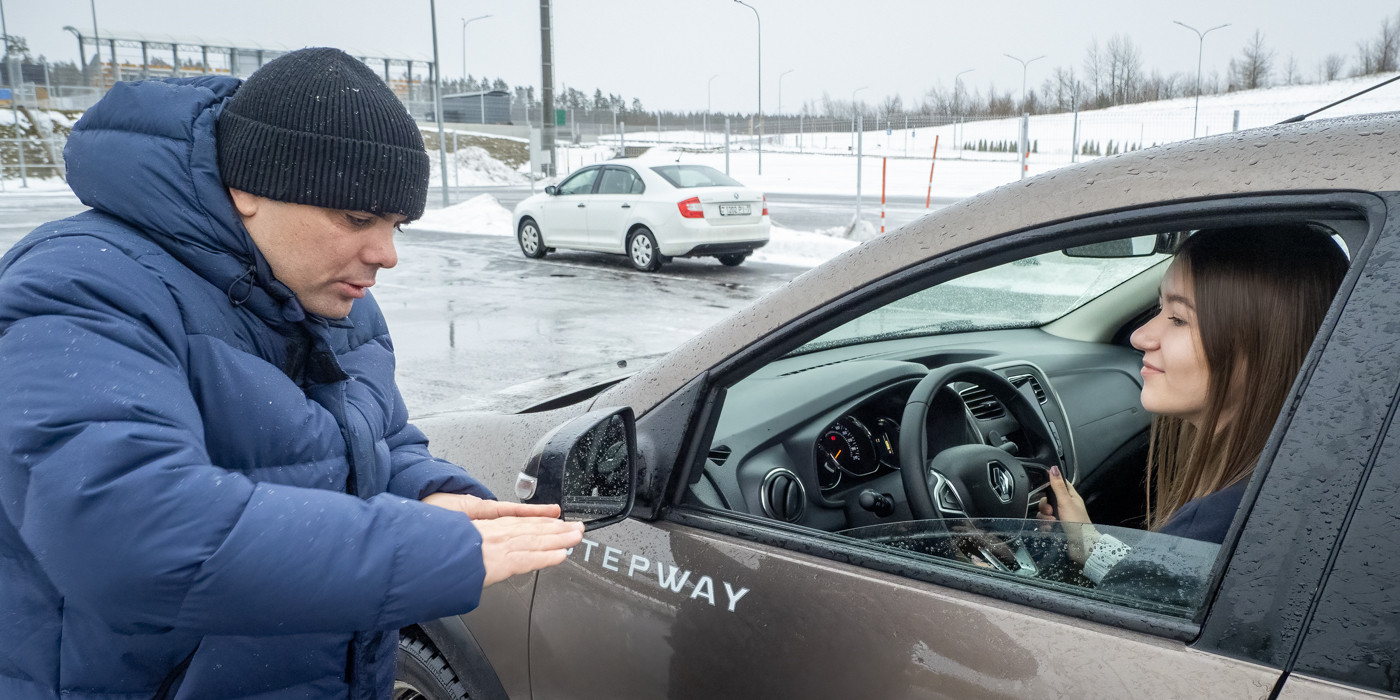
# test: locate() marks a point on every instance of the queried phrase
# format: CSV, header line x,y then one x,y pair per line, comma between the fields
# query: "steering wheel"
x,y
975,480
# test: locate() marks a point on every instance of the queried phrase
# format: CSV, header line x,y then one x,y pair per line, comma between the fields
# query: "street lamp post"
x,y
780,102
437,103
759,22
1200,49
957,105
1024,64
482,100
705,121
854,112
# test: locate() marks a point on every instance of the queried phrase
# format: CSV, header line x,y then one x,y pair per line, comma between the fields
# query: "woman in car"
x,y
1239,310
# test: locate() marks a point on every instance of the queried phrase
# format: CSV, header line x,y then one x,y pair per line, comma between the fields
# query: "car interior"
x,y
1023,352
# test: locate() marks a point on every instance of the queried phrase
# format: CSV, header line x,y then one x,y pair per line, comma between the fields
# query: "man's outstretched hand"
x,y
516,538
482,509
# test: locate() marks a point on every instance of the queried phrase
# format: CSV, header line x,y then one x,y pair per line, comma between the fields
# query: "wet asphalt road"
x,y
479,326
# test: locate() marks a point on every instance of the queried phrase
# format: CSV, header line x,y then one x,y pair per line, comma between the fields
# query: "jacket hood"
x,y
145,153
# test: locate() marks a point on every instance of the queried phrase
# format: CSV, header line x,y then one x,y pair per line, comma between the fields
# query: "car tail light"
x,y
692,209
765,205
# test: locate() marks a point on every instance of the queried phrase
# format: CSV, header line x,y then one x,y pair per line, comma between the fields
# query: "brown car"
x,y
763,541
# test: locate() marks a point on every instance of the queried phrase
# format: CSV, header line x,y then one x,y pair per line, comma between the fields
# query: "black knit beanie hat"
x,y
318,127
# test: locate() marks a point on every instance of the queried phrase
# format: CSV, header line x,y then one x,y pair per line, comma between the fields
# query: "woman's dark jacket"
x,y
180,438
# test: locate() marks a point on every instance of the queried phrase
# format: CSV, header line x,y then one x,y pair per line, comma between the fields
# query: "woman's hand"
x,y
1073,517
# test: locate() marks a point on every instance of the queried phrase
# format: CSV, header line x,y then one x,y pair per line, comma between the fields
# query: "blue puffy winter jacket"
x,y
193,469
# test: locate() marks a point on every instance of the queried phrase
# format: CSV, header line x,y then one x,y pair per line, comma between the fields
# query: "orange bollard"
x,y
932,163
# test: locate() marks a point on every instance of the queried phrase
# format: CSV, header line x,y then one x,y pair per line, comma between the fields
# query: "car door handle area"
x,y
581,205
627,206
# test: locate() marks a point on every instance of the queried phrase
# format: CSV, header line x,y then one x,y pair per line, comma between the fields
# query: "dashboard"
x,y
813,439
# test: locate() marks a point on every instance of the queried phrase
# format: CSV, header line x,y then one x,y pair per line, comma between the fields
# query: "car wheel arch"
x,y
451,637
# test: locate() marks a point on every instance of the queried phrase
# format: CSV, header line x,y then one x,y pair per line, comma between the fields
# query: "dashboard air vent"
x,y
783,496
1035,385
718,454
981,403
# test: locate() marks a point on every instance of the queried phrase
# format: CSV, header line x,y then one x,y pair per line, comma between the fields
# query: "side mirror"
x,y
588,466
551,190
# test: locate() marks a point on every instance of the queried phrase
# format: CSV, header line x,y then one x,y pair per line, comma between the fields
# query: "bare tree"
x,y
1061,89
1125,68
1094,71
1291,75
1380,54
892,105
1251,70
1331,67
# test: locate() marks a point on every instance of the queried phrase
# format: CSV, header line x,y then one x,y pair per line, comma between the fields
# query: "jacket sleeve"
x,y
414,473
109,486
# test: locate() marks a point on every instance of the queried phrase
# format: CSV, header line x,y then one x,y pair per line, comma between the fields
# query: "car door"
x,y
1352,644
566,213
692,601
612,209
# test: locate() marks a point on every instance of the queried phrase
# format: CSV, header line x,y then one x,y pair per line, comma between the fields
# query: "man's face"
x,y
328,257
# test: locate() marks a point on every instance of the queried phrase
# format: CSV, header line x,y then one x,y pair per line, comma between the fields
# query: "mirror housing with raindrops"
x,y
588,466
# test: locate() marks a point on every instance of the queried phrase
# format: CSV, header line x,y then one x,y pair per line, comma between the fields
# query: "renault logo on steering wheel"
x,y
1002,483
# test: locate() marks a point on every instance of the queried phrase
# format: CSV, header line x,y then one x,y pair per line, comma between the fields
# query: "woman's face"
x,y
1174,371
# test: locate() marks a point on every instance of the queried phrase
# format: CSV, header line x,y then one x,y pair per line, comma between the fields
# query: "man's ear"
x,y
246,204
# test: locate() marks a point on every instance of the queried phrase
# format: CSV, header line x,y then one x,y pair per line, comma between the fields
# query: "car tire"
x,y
732,259
530,240
421,673
643,252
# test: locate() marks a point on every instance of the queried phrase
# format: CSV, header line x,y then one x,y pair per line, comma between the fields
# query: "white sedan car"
x,y
648,212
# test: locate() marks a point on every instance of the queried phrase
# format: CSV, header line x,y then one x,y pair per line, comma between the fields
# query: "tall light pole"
x,y
957,105
482,99
780,89
465,22
854,111
705,122
957,85
760,82
1023,75
1200,49
437,103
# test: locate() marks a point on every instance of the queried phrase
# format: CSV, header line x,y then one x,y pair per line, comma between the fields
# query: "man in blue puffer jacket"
x,y
209,485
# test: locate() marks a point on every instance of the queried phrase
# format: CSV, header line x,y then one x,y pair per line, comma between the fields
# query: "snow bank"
x,y
482,215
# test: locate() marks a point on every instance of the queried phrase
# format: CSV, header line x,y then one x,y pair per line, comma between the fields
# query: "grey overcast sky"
x,y
664,51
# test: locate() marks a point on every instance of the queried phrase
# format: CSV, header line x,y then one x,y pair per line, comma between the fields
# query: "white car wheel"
x,y
531,242
643,251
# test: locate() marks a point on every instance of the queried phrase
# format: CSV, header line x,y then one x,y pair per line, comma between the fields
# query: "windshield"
x,y
695,176
1020,294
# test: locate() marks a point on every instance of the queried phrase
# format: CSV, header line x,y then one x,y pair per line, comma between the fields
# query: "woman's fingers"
x,y
1068,505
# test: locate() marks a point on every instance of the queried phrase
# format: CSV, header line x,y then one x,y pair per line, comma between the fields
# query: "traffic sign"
x,y
559,115
4,93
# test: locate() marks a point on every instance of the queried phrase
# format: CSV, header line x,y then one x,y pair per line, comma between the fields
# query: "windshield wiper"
x,y
1301,117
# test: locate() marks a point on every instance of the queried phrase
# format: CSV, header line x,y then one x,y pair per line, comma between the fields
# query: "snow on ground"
x,y
475,168
482,215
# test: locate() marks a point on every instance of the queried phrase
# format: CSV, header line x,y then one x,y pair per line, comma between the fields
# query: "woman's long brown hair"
x,y
1261,294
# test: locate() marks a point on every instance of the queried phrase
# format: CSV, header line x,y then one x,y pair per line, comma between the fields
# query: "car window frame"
x,y
1234,210
598,183
559,191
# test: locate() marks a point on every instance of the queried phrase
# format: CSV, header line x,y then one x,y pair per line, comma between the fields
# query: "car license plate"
x,y
734,210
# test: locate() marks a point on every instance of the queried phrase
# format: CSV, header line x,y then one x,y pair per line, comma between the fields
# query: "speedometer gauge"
x,y
847,445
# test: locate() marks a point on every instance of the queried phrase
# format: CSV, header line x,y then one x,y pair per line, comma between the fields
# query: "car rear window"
x,y
695,176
